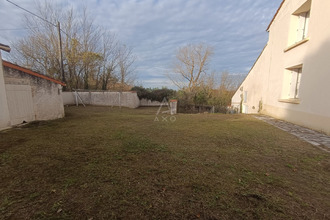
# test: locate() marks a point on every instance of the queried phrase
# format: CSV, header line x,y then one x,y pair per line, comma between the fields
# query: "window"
x,y
303,22
291,84
295,75
299,25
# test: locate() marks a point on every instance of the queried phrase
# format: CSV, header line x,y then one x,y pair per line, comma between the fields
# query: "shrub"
x,y
154,94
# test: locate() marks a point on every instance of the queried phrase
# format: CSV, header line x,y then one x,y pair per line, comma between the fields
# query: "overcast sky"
x,y
157,28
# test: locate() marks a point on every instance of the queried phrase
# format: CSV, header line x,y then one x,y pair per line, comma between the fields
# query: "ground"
x,y
111,163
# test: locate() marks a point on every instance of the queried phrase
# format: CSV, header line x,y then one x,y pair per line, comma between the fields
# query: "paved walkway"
x,y
315,138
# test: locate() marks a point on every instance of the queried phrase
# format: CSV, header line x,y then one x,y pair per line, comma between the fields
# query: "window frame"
x,y
299,26
292,84
295,80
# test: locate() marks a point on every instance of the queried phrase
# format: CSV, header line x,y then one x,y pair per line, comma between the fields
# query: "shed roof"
x,y
278,10
30,72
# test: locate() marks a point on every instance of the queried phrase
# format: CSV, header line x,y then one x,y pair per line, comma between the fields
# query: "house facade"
x,y
290,79
27,96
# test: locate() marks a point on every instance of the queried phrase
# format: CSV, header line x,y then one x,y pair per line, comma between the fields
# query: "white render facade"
x,y
290,79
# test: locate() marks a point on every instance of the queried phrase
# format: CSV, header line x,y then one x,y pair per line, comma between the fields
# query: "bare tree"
x,y
91,54
125,67
190,66
110,61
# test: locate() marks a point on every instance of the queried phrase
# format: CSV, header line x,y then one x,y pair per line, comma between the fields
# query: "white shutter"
x,y
300,30
306,25
303,19
298,83
293,82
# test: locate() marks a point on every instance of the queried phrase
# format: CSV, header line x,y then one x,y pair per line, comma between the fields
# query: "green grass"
x,y
110,163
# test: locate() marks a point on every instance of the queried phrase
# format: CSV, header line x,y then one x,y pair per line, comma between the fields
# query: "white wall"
x,y
47,102
124,99
20,103
266,80
46,97
4,112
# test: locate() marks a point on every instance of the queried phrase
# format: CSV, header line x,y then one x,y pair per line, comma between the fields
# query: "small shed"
x,y
29,95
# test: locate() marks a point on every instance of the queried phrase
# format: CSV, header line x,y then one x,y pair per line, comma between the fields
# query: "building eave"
x,y
30,72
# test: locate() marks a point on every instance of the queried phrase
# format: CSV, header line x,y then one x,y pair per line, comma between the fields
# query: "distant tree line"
x,y
93,57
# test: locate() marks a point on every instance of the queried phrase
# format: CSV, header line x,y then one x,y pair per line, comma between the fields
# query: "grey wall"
x,y
46,95
105,98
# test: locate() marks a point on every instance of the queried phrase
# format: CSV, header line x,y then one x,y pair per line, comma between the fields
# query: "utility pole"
x,y
60,52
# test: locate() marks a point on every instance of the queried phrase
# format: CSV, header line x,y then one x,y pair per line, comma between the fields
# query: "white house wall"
x,y
266,79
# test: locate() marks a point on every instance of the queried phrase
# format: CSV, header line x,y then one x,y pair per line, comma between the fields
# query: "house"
x,y
26,95
290,79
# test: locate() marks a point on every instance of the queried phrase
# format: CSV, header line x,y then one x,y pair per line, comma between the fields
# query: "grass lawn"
x,y
111,163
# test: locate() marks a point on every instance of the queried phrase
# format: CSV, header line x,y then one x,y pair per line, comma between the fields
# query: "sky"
x,y
155,29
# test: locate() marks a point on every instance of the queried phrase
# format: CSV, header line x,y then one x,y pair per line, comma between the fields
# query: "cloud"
x,y
156,28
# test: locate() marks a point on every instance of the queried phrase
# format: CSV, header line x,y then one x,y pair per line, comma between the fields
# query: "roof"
x,y
5,47
30,72
275,15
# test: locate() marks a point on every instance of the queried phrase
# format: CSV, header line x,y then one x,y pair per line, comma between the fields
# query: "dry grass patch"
x,y
110,163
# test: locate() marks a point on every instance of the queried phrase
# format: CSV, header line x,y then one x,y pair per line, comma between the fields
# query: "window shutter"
x,y
306,25
302,28
298,83
293,83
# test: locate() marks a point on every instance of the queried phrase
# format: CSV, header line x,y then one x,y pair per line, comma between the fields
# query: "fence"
x,y
104,98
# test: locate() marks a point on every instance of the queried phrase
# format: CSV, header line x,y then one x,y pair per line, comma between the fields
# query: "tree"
x,y
214,91
110,61
190,66
154,94
92,56
221,97
126,68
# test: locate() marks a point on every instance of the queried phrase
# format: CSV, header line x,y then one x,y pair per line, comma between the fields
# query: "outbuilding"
x,y
27,95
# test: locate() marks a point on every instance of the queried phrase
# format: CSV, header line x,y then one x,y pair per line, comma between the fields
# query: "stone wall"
x,y
104,98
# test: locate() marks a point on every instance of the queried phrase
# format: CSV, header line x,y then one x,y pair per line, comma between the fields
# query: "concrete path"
x,y
315,138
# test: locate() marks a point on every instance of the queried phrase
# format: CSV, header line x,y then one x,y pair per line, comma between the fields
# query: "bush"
x,y
202,99
154,94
